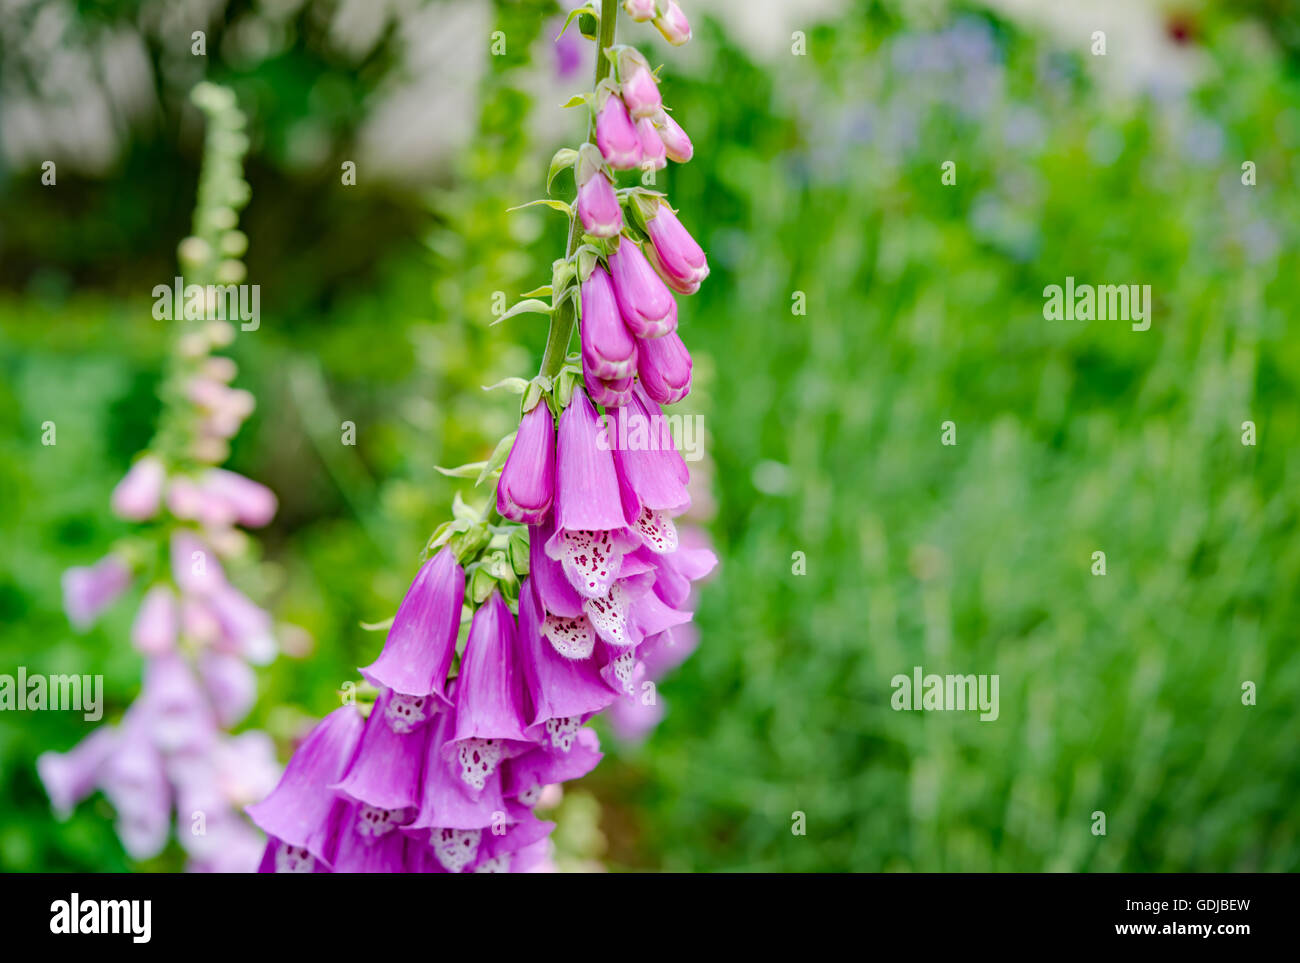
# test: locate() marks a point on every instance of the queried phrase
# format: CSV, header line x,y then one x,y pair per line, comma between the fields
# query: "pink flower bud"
x,y
608,348
653,153
674,26
639,87
527,483
640,10
139,493
664,365
676,256
598,207
677,145
616,137
154,630
250,502
647,307
612,393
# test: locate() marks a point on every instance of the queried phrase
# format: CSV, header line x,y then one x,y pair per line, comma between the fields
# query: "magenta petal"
x,y
527,483
598,207
651,471
489,694
301,811
644,300
385,768
282,857
422,638
496,847
664,365
445,800
587,495
558,688
370,840
608,348
677,145
616,136
556,595
678,258
246,626
664,652
527,775
653,152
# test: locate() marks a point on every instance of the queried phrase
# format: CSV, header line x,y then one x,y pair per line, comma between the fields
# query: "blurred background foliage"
x,y
817,174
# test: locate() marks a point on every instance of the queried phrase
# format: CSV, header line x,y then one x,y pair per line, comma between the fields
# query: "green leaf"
x,y
547,202
499,455
463,471
530,306
563,160
576,100
383,626
543,292
516,386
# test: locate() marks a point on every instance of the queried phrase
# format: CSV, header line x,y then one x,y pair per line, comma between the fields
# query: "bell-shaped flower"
x,y
673,25
195,567
422,639
527,483
301,814
591,533
643,299
638,86
673,252
563,691
608,393
616,135
652,474
608,348
640,10
385,769
230,684
598,207
664,367
654,155
677,146
138,495
489,697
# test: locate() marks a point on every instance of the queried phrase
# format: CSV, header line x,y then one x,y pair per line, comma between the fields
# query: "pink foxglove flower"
x,y
527,484
422,639
598,207
643,299
608,348
673,252
653,153
677,145
616,135
664,366
674,26
639,88
640,10
591,534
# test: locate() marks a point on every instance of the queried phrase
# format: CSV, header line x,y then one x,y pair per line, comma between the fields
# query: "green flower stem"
x,y
560,332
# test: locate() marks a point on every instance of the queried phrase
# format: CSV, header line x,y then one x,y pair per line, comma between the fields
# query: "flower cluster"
x,y
574,594
199,635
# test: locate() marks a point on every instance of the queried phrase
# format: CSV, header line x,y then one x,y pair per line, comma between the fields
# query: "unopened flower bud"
x,y
674,26
616,137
